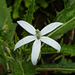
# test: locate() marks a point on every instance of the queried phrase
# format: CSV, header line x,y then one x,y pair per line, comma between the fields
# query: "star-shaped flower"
x,y
38,37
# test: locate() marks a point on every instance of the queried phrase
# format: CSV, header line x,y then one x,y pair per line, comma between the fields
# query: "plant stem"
x,y
49,69
21,67
7,67
8,50
7,63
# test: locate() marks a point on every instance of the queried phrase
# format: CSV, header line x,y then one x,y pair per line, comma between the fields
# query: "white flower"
x,y
38,37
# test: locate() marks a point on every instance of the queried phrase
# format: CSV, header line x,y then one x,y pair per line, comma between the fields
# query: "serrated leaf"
x,y
66,16
68,49
29,13
6,21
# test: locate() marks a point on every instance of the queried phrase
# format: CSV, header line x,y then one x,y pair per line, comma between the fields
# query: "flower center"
x,y
37,34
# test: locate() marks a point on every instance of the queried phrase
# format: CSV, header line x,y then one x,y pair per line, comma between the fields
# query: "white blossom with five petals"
x,y
38,37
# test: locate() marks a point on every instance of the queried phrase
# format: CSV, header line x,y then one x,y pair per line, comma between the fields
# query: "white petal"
x,y
27,27
51,42
50,27
24,41
35,51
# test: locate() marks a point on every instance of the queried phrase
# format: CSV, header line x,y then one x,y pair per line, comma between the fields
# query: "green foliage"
x,y
68,49
4,57
29,13
1,34
63,66
27,2
5,21
42,3
29,69
66,16
15,68
68,3
22,67
3,63
16,9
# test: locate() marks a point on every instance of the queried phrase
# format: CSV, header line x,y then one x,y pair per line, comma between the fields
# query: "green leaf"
x,y
68,49
6,21
66,14
42,3
29,13
68,3
27,2
16,8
